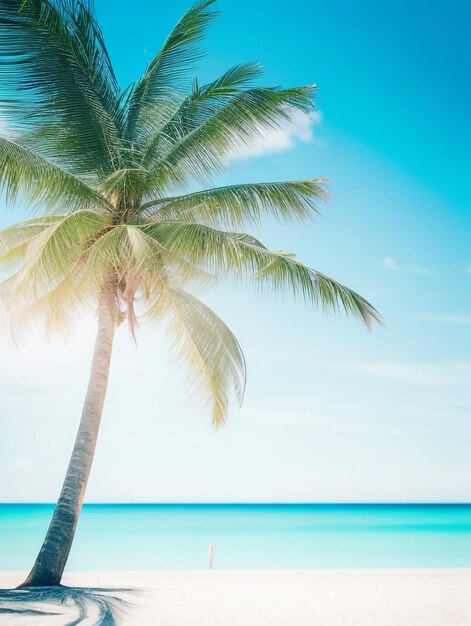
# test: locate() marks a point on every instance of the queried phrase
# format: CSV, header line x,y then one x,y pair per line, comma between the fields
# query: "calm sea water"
x,y
161,536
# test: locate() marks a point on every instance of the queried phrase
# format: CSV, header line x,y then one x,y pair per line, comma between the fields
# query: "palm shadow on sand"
x,y
65,606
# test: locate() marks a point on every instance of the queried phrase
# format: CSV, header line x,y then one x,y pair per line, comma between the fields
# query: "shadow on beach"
x,y
66,606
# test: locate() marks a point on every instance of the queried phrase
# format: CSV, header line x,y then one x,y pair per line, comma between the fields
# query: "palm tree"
x,y
110,171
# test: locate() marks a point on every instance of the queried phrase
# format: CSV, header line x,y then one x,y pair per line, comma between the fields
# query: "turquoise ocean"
x,y
246,536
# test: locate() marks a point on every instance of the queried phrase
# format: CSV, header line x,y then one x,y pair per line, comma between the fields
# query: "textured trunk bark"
x,y
53,555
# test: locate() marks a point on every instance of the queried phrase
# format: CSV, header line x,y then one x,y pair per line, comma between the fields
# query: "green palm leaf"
x,y
55,251
125,250
53,52
206,148
247,258
19,233
42,183
209,350
48,280
166,74
237,204
198,107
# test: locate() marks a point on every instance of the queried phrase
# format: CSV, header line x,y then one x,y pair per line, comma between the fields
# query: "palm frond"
x,y
210,352
43,184
44,277
57,83
126,250
17,233
201,104
236,205
166,74
230,82
124,186
208,146
246,258
53,306
52,253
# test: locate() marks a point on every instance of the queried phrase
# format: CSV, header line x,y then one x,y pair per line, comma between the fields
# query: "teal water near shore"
x,y
246,536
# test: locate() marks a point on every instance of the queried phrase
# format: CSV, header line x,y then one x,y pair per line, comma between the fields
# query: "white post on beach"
x,y
210,556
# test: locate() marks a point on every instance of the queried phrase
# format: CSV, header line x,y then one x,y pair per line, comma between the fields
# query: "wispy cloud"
x,y
389,263
300,128
468,270
447,318
432,373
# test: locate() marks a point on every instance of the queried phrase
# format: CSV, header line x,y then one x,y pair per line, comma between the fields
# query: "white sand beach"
x,y
277,597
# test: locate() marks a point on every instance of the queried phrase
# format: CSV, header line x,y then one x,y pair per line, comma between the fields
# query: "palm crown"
x,y
110,170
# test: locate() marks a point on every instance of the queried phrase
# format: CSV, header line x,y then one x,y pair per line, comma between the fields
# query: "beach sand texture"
x,y
276,598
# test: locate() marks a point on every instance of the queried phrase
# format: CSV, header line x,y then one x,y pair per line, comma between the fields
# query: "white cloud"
x,y
300,128
390,263
468,270
447,319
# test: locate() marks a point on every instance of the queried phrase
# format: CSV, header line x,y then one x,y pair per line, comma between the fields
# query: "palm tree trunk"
x,y
53,555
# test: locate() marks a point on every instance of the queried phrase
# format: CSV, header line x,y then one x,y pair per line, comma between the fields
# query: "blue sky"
x,y
332,412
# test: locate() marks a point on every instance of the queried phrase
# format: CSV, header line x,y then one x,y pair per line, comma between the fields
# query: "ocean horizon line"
x,y
247,503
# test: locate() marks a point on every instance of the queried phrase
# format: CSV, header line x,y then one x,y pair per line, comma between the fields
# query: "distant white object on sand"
x,y
211,556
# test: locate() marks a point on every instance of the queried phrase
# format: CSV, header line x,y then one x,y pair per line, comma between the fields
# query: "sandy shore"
x,y
275,598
